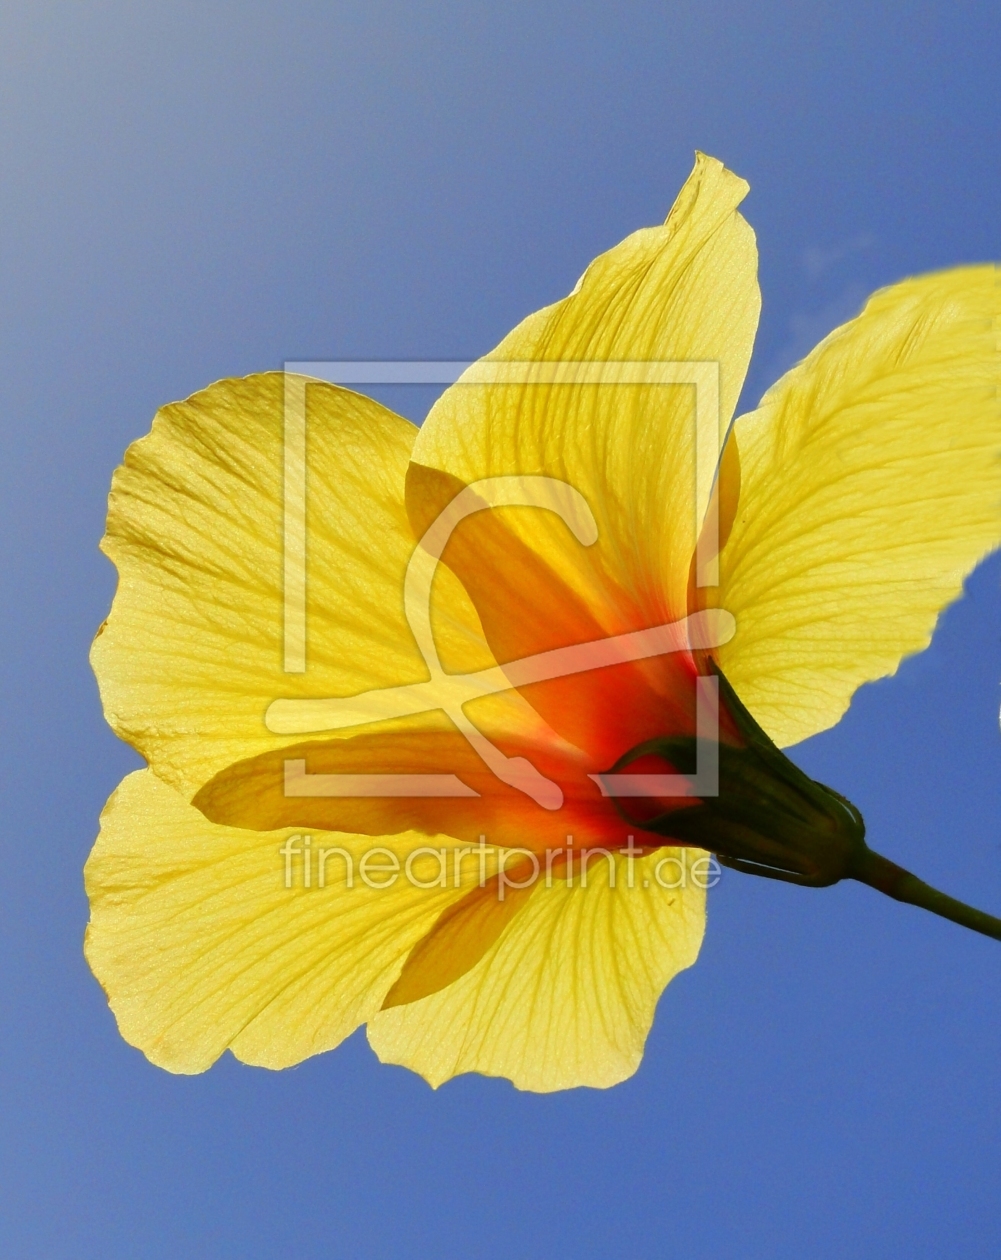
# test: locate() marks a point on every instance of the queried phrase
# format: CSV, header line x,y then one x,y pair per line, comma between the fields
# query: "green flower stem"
x,y
886,876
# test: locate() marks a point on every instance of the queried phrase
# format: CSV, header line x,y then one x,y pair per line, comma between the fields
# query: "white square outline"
x,y
702,375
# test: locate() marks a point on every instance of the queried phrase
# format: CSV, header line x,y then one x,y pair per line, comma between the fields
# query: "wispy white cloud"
x,y
806,328
817,260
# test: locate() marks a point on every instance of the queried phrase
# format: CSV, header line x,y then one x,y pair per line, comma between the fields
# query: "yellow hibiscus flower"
x,y
275,879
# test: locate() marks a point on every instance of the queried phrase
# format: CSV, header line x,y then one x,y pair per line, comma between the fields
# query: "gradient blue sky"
x,y
189,191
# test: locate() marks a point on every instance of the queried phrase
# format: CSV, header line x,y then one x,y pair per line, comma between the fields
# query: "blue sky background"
x,y
189,191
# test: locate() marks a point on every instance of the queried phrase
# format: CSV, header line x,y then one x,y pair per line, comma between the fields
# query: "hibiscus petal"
x,y
685,293
192,653
870,487
567,994
201,947
331,781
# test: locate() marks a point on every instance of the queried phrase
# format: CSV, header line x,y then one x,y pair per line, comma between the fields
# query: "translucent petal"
x,y
255,793
683,294
681,299
567,994
191,655
201,946
870,485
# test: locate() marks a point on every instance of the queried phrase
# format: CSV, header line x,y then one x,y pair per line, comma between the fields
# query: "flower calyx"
x,y
769,818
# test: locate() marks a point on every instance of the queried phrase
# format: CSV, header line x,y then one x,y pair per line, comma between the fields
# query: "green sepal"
x,y
769,817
